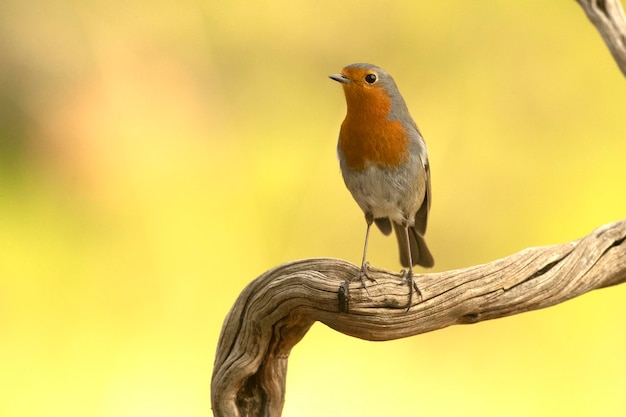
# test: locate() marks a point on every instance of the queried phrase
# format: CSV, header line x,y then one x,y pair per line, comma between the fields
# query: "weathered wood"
x,y
275,310
608,18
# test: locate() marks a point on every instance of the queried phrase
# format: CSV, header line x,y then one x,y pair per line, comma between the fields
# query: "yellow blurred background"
x,y
155,157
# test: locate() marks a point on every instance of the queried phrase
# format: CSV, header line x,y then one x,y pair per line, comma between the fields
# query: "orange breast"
x,y
367,136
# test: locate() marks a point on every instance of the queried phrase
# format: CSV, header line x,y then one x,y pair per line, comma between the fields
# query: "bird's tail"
x,y
420,255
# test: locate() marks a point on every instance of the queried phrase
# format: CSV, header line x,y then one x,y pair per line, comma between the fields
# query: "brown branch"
x,y
608,18
275,310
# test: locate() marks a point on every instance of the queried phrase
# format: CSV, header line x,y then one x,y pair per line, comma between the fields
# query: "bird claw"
x,y
410,279
364,277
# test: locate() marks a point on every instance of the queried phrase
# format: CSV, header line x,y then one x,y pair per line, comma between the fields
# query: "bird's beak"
x,y
339,78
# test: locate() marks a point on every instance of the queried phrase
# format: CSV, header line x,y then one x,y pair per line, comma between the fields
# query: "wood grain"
x,y
276,310
608,18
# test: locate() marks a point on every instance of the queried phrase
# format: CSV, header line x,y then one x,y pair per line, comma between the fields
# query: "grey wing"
x,y
421,217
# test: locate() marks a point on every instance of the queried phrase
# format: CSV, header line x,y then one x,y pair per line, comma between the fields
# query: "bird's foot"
x,y
410,279
364,276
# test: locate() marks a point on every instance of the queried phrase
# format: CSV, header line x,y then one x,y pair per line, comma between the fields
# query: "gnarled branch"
x,y
608,18
276,310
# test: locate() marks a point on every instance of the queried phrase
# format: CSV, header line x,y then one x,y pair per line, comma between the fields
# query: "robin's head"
x,y
368,89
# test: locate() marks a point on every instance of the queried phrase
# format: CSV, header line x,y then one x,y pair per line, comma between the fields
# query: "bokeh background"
x,y
155,157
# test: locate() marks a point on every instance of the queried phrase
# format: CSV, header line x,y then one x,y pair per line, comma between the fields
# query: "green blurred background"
x,y
155,157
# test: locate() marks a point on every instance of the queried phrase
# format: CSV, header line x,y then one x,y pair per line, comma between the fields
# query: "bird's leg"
x,y
409,276
369,219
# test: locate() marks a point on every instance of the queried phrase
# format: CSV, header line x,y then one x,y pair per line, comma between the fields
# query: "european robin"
x,y
384,163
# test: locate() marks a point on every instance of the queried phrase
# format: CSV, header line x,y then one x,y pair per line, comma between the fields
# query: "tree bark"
x,y
276,310
608,18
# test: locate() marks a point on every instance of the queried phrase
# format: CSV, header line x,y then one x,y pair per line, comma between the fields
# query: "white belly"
x,y
396,194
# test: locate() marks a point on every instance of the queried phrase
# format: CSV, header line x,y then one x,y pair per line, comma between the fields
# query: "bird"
x,y
384,164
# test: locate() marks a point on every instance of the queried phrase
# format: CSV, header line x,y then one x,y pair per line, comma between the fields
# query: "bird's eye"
x,y
370,78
